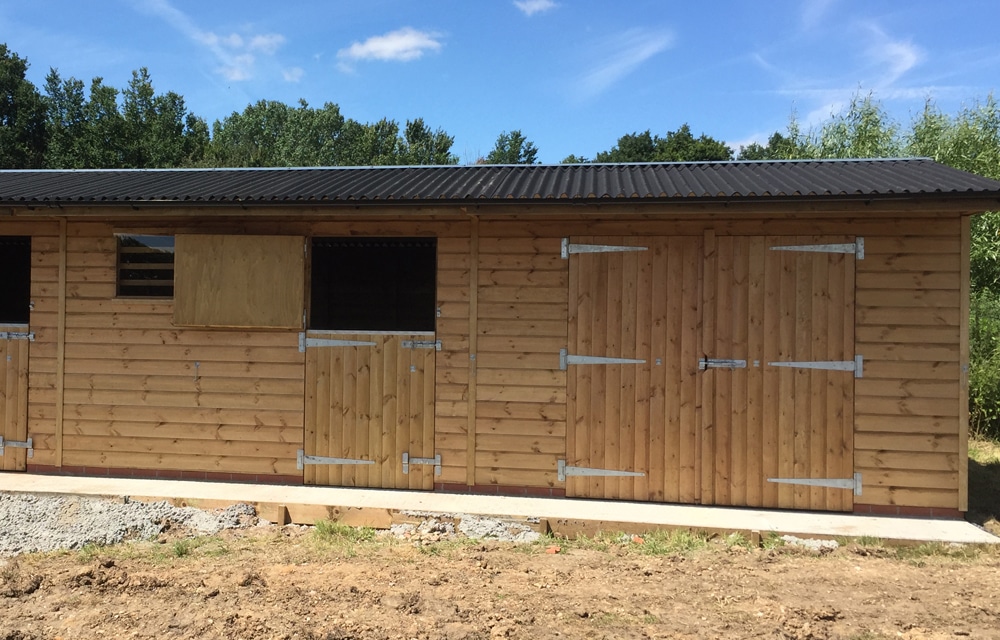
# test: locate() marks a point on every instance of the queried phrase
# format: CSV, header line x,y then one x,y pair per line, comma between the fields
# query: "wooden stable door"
x,y
14,345
369,402
778,378
637,300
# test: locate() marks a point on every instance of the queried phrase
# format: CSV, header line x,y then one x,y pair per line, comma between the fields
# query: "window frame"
x,y
121,266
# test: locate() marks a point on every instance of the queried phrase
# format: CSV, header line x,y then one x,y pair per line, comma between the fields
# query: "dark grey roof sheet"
x,y
482,184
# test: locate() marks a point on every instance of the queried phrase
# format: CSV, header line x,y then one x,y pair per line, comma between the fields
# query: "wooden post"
x,y
470,474
963,363
705,444
61,344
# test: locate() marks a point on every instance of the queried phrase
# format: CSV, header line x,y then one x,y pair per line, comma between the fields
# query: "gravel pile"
x,y
436,527
30,522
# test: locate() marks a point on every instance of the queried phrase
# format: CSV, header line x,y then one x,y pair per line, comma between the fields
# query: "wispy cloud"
x,y
896,57
293,74
531,7
402,45
236,54
813,12
621,56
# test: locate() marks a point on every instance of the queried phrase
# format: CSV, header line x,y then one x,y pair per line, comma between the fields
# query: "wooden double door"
x,y
712,370
369,403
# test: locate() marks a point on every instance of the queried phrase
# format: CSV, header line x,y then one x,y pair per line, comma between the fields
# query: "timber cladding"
x,y
116,383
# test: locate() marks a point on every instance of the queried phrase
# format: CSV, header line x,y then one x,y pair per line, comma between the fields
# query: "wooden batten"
x,y
963,361
60,403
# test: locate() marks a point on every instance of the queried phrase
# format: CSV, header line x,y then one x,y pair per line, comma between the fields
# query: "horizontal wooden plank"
x,y
521,410
927,317
521,377
905,424
523,327
907,335
916,442
188,384
516,477
545,361
521,344
488,442
889,406
190,415
523,294
522,262
451,425
453,278
531,461
504,245
881,459
182,447
509,278
907,298
904,496
215,464
122,398
909,280
878,245
909,262
184,431
270,370
872,477
906,388
202,353
910,352
509,393
181,337
521,427
523,311
894,370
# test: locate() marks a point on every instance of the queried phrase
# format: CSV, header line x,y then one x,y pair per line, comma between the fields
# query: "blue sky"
x,y
573,75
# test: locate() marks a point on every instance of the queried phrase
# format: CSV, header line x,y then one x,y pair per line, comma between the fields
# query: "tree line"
x,y
70,125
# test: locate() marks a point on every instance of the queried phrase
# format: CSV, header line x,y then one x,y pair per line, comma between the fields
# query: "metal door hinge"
x,y
857,248
565,359
18,335
857,365
421,344
854,484
569,248
721,363
407,461
564,470
302,460
14,444
306,342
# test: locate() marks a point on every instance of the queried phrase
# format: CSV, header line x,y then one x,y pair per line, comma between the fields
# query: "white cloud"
x,y
531,7
293,74
896,57
401,45
813,12
622,56
234,52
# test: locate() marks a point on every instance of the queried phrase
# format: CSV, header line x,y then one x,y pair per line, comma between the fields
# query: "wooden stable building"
x,y
771,334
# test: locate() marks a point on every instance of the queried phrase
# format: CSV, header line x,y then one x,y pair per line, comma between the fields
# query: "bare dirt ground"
x,y
292,582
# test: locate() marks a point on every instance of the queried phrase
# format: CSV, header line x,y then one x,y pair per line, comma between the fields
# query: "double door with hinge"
x,y
15,446
369,410
712,370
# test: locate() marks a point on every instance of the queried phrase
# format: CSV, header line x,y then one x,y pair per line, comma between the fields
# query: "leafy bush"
x,y
984,365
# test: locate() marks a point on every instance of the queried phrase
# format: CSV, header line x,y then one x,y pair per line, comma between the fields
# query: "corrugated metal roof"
x,y
482,184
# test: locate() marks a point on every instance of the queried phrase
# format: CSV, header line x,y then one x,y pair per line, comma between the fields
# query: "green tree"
x,y
253,138
574,159
675,146
22,115
159,131
422,145
512,148
865,130
66,118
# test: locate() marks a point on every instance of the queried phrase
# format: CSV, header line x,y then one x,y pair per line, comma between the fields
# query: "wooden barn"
x,y
771,334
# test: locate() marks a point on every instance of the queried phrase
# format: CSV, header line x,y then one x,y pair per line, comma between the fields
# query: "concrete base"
x,y
375,507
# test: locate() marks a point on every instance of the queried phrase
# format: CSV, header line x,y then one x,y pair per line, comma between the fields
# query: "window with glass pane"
x,y
145,266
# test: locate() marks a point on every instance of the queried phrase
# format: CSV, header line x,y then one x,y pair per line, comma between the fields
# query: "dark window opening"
x,y
373,284
145,266
15,292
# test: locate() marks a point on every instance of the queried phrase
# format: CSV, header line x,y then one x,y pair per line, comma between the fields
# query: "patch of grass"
x,y
736,539
984,484
869,541
682,541
89,552
182,547
771,540
332,531
938,550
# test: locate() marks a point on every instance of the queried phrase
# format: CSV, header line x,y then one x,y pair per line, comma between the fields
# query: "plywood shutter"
x,y
239,281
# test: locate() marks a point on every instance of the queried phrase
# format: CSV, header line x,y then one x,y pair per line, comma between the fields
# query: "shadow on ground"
x,y
984,494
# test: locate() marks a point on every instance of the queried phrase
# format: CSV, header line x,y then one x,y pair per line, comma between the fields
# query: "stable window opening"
x,y
145,266
373,284
15,265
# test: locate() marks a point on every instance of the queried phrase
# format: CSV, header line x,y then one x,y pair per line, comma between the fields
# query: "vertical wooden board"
x,y
336,444
390,406
428,415
755,388
613,373
722,402
705,445
741,327
473,391
665,341
786,378
348,399
627,407
21,430
402,426
579,424
598,416
416,422
770,380
376,475
690,385
963,361
819,349
802,387
643,378
836,317
362,419
848,383
6,402
576,303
